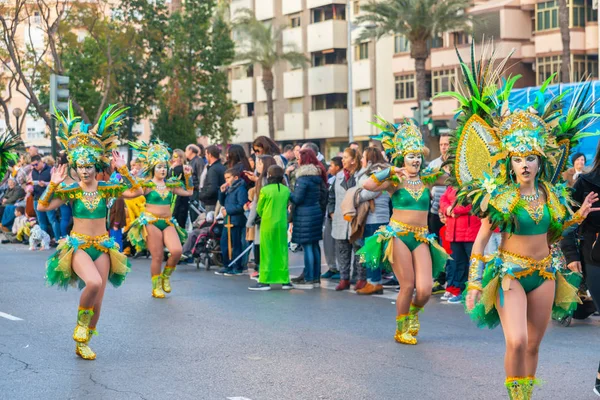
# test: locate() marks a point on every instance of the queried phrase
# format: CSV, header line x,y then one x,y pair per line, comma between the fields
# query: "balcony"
x,y
262,125
320,3
241,90
328,79
293,127
291,6
245,130
237,5
261,95
293,84
360,118
361,75
324,124
264,9
292,39
326,35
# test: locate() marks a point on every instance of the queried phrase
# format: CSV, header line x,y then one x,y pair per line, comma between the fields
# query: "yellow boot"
x,y
157,290
518,388
166,275
83,349
81,332
413,319
402,334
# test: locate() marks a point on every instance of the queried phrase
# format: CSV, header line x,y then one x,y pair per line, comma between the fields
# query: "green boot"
x,y
157,289
517,388
166,275
83,349
81,332
402,330
413,319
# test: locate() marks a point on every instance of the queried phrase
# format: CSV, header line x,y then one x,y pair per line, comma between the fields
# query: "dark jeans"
x,y
182,206
373,275
236,244
8,215
457,272
435,224
45,218
65,220
312,261
257,256
592,281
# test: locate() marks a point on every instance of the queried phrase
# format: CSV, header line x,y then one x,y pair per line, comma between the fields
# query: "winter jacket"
x,y
340,228
215,177
463,227
233,199
569,176
356,212
14,194
570,245
308,198
381,215
197,165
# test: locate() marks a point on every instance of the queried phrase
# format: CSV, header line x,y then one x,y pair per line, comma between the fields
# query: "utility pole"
x,y
59,100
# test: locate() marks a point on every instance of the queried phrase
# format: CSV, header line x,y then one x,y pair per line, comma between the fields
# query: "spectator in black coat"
x,y
182,203
309,199
194,156
215,178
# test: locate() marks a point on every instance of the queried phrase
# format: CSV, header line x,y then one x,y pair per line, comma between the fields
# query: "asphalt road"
x,y
213,339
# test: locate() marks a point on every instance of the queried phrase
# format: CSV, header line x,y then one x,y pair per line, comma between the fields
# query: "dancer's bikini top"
x,y
159,198
417,200
90,205
526,223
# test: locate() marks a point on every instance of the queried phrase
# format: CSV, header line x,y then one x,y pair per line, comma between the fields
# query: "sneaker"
x,y
370,289
233,272
455,299
223,271
5,241
298,279
390,283
317,283
260,287
330,274
287,286
304,285
446,296
597,389
254,276
437,288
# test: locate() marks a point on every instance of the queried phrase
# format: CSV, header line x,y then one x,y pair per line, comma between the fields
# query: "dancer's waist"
x,y
408,228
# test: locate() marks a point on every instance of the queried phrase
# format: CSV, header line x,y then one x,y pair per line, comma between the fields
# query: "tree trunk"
x,y
563,21
269,85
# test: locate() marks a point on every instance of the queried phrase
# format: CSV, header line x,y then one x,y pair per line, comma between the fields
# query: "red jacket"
x,y
463,227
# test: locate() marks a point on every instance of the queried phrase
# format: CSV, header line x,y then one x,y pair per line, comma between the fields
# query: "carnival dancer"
x,y
405,244
507,163
156,228
88,256
9,142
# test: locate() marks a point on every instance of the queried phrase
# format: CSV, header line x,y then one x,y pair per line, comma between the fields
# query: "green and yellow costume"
x,y
398,140
87,146
150,155
490,132
9,143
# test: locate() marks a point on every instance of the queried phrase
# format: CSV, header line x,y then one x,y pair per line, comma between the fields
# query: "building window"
x,y
363,98
405,87
361,51
546,15
295,20
326,13
584,67
329,57
578,13
443,80
296,105
249,109
546,66
330,101
243,71
401,44
435,43
356,9
37,19
591,15
460,38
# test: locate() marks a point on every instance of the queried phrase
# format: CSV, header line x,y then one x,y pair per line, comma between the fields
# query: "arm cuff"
x,y
46,197
128,178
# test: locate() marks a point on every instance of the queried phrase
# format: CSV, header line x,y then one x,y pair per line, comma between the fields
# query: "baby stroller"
x,y
207,249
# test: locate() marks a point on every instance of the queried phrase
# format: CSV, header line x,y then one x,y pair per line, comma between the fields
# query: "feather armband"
x,y
46,197
128,179
189,185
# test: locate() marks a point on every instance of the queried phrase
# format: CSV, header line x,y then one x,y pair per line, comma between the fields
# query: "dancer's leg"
x,y
513,316
103,267
173,244
423,278
404,271
539,309
156,248
85,268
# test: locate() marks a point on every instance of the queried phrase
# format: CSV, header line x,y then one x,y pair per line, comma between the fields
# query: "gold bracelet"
x,y
474,286
130,181
188,182
46,197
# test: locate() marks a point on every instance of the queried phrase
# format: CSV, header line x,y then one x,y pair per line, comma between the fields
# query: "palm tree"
x,y
262,44
563,22
419,21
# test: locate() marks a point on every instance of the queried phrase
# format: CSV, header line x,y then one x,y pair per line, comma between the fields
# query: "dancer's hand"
x,y
118,159
586,206
59,174
187,170
473,297
575,266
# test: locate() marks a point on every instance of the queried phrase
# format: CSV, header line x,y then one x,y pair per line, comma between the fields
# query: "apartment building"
x,y
311,104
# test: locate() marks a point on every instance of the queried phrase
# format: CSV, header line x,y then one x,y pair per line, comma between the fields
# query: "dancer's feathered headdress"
x,y
398,140
151,154
86,145
9,142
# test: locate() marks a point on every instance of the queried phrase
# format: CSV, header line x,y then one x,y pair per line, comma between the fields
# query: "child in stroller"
x,y
205,240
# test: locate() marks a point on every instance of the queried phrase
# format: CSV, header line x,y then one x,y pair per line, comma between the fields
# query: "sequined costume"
x,y
150,155
9,142
87,146
490,132
399,140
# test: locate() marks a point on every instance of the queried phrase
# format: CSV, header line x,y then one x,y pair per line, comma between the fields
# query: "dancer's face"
x,y
525,168
412,163
86,174
160,171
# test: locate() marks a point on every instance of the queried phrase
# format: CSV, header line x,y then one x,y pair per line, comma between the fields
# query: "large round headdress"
x,y
87,145
398,140
151,154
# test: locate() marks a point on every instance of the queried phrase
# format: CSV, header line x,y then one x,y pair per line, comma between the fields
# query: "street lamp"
x,y
350,101
17,112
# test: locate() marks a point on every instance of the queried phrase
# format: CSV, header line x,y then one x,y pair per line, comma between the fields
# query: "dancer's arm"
x,y
134,187
189,186
46,202
385,179
477,264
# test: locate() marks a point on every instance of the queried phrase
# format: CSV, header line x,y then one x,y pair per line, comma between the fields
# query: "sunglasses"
x,y
34,165
257,150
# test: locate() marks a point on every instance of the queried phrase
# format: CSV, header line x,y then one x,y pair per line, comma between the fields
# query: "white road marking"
x,y
238,398
11,317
